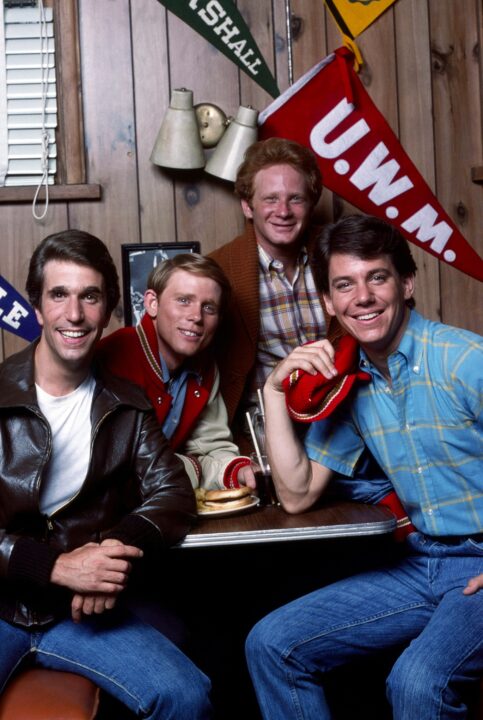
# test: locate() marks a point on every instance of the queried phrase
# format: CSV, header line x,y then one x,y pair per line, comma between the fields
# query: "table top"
x,y
272,524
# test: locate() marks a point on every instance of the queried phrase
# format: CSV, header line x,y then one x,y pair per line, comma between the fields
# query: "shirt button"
x,y
420,470
278,264
406,427
416,368
197,393
387,389
430,511
159,400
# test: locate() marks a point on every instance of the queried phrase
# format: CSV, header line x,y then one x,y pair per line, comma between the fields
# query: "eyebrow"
x,y
374,271
89,290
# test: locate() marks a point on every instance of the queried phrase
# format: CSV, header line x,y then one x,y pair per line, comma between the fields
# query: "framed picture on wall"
x,y
138,259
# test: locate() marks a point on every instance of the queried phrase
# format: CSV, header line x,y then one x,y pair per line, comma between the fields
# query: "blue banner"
x,y
16,314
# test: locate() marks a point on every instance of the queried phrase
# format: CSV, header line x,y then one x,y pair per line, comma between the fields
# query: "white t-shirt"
x,y
69,417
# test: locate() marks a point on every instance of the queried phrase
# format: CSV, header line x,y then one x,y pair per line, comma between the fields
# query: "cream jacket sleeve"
x,y
210,446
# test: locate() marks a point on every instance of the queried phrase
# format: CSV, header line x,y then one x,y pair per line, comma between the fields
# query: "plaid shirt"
x,y
290,313
426,430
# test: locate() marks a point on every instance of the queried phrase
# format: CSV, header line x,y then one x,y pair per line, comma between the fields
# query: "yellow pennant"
x,y
354,16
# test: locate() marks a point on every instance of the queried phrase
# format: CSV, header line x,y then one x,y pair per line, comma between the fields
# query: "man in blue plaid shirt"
x,y
421,415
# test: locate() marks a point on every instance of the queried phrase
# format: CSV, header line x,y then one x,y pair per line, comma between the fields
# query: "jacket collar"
x,y
17,385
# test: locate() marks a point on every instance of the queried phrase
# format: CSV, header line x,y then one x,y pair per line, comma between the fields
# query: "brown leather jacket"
x,y
135,489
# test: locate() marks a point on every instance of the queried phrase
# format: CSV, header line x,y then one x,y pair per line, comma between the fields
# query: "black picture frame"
x,y
138,259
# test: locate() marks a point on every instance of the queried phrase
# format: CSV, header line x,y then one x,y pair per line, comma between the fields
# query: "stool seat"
x,y
39,694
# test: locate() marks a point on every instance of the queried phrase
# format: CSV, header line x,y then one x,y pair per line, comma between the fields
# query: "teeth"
x,y
189,333
369,316
73,333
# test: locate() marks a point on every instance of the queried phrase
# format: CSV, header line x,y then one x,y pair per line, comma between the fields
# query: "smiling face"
x,y
368,298
73,315
279,208
186,315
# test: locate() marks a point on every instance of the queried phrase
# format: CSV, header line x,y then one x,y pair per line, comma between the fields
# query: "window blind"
x,y
31,95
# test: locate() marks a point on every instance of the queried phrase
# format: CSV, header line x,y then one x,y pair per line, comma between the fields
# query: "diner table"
x,y
272,524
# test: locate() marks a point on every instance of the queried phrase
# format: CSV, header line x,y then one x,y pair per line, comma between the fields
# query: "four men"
x,y
81,509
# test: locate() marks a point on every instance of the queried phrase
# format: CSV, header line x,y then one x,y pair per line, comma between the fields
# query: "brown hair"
x,y
78,247
196,265
366,237
278,151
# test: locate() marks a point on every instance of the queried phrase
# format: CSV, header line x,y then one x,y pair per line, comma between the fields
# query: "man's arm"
x,y
211,443
298,480
96,574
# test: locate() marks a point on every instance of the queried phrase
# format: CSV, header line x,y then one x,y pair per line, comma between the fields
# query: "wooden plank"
x,y
457,130
20,234
26,193
206,209
309,33
106,56
70,133
416,127
152,96
281,43
258,17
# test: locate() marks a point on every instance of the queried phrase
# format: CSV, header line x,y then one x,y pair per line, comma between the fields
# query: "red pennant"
x,y
362,160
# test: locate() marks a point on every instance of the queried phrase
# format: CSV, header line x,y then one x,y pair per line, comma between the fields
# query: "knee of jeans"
x,y
189,698
412,681
259,641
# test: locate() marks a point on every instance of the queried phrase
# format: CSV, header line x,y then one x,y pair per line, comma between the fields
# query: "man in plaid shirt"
x,y
421,415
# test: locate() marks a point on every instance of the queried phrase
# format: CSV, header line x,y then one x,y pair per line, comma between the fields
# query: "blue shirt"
x,y
176,387
425,430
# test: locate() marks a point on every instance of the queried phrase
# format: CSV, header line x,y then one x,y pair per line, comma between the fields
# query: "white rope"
x,y
44,74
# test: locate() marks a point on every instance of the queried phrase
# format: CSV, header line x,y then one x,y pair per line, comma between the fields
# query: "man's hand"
x,y
313,358
96,568
475,584
246,477
89,604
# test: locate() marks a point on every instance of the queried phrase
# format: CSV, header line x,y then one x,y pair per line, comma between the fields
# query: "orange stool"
x,y
38,694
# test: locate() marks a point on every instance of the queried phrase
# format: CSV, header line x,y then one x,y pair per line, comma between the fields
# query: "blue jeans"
x,y
124,656
418,599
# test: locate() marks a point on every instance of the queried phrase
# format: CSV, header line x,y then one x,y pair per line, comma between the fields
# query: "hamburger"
x,y
230,499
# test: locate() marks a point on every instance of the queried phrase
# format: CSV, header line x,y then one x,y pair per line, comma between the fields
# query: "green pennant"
x,y
221,24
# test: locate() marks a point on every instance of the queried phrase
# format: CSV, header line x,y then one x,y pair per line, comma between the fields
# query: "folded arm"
x,y
298,480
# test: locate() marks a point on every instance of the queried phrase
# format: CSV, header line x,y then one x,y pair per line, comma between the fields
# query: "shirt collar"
x,y
410,347
183,372
268,263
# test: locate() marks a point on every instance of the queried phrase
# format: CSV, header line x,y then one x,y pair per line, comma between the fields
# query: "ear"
x,y
408,285
39,317
151,303
247,211
328,304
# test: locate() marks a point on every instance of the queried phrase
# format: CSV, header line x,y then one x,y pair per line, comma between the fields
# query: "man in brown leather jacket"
x,y
89,489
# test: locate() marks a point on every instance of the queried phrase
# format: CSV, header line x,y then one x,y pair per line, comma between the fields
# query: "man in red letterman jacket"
x,y
167,354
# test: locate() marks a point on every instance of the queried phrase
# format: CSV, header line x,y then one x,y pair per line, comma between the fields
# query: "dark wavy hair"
x,y
78,247
366,237
278,151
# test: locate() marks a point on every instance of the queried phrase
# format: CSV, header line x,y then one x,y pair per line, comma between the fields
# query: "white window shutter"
x,y
31,95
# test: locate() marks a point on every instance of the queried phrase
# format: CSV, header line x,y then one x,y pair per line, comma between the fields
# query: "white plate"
x,y
229,511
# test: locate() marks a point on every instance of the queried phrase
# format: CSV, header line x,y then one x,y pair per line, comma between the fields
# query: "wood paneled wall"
x,y
423,68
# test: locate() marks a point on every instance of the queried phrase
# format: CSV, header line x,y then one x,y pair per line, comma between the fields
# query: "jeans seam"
x,y
95,672
347,626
